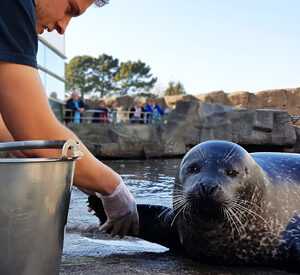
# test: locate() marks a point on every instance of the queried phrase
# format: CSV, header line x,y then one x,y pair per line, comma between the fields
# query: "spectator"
x,y
101,116
53,95
113,115
136,114
76,108
155,110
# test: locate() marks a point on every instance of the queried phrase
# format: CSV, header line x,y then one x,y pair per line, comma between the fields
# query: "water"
x,y
150,181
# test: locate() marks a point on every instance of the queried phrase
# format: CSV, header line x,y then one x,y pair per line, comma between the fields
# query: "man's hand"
x,y
81,110
121,211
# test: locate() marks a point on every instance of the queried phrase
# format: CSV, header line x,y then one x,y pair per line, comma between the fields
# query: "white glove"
x,y
121,211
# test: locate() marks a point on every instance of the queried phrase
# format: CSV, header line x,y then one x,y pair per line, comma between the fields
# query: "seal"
x,y
229,207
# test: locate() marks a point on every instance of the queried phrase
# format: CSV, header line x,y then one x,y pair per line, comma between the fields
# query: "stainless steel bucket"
x,y
34,202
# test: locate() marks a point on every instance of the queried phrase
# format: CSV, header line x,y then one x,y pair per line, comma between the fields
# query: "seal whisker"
x,y
176,216
247,202
252,213
177,206
166,211
239,212
230,221
228,156
202,152
230,209
178,196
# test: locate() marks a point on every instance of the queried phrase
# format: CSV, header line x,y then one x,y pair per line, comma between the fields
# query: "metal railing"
x,y
124,117
295,119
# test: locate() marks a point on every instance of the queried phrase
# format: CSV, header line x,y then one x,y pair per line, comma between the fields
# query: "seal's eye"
x,y
193,169
232,172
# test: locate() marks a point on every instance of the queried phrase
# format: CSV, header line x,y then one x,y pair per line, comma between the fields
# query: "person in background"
x,y
155,110
53,95
113,114
101,115
20,23
136,114
76,108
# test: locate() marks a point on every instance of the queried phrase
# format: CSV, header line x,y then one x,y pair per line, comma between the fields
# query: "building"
x,y
51,61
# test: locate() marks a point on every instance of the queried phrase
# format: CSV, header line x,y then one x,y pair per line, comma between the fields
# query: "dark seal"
x,y
229,207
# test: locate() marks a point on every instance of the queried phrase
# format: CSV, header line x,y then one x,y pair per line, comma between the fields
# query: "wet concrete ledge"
x,y
149,263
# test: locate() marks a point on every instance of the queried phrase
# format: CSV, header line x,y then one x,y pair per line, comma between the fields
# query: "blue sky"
x,y
230,45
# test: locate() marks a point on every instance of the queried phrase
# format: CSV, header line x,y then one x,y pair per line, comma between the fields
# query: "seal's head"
x,y
214,176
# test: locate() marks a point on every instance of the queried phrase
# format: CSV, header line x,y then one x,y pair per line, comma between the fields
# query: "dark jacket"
x,y
100,117
71,105
135,120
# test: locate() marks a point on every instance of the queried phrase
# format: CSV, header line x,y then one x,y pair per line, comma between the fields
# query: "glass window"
x,y
55,63
55,85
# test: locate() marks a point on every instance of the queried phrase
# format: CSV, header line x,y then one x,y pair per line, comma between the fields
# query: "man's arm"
x,y
27,115
160,110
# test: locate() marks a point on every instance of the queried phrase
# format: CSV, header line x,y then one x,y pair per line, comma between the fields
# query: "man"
x,y
77,106
25,109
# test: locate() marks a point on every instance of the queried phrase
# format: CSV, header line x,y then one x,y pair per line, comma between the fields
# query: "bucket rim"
x,y
33,160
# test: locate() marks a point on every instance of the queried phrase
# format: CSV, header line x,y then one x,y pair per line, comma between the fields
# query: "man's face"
x,y
75,96
56,14
152,102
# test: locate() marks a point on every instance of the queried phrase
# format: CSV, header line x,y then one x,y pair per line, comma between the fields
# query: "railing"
x,y
295,119
87,117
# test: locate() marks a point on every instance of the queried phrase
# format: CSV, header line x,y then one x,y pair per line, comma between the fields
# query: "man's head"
x,y
75,96
152,102
56,14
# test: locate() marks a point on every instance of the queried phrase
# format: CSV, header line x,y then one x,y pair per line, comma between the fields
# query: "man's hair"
x,y
101,3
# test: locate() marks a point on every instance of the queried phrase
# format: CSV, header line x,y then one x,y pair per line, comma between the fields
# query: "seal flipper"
x,y
155,223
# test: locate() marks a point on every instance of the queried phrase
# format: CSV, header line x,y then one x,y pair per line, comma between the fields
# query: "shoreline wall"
x,y
190,123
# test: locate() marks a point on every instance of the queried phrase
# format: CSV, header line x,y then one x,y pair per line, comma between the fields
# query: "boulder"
x,y
215,97
190,123
239,99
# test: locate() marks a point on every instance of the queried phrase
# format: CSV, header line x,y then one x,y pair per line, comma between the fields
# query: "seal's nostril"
x,y
203,189
212,190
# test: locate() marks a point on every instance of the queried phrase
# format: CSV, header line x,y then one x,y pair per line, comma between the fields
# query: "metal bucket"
x,y
34,202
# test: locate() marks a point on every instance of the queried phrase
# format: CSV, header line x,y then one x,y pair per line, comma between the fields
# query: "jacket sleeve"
x,y
82,105
71,105
160,110
131,112
148,108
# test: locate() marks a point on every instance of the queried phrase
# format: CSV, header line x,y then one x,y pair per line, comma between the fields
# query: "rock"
x,y
214,97
190,123
239,99
272,99
172,100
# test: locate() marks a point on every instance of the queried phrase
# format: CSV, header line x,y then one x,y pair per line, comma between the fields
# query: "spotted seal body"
x,y
230,207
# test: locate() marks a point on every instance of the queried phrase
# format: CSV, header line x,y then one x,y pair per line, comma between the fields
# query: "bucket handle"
x,y
45,144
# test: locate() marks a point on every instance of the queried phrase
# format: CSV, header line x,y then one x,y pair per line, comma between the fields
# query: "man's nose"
x,y
62,24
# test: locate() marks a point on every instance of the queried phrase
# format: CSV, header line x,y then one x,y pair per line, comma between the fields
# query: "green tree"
x,y
90,75
134,77
78,74
174,89
104,70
